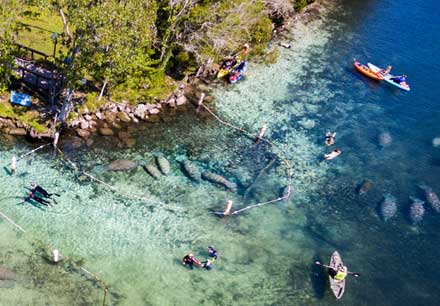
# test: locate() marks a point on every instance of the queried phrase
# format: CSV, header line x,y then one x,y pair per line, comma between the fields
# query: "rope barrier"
x,y
32,151
12,222
130,196
278,154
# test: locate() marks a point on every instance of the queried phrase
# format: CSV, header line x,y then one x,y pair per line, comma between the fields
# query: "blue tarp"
x,y
19,98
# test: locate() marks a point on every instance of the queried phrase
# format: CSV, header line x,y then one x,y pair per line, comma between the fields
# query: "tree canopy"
x,y
126,47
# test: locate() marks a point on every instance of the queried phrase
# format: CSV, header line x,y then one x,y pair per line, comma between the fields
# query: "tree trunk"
x,y
102,90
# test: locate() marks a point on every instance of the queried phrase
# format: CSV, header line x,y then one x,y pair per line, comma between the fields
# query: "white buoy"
x,y
13,165
261,134
228,207
199,103
55,256
55,139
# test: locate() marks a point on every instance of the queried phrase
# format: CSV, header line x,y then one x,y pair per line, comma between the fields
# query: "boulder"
x,y
123,117
84,125
83,133
105,131
110,116
153,111
140,111
181,100
17,132
88,117
99,115
121,165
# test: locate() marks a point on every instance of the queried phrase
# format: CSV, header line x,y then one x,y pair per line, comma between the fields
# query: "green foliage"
x,y
30,118
300,4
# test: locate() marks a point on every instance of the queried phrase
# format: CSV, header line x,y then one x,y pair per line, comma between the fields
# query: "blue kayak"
x,y
388,78
238,72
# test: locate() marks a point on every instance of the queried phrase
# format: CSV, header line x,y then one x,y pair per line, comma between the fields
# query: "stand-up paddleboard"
x,y
387,78
338,287
363,69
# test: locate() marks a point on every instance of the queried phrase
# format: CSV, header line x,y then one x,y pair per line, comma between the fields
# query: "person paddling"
x,y
330,138
338,274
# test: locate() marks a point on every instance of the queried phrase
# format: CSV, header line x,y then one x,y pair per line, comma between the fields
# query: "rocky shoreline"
x,y
109,119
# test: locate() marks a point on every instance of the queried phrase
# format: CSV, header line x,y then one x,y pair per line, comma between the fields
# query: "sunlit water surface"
x,y
135,243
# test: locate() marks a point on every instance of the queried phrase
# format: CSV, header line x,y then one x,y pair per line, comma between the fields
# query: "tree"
x,y
10,10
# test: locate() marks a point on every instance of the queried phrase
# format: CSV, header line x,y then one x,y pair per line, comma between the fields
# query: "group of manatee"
x,y
161,166
388,206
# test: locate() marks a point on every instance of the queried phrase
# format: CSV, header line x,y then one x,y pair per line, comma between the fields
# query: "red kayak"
x,y
367,71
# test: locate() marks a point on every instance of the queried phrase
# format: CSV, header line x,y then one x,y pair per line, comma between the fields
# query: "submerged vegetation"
x,y
127,49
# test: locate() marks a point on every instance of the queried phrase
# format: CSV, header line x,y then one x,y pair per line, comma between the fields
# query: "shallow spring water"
x,y
266,254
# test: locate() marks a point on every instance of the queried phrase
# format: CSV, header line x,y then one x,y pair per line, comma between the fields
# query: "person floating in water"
x,y
399,79
330,138
32,196
189,260
335,153
36,188
212,253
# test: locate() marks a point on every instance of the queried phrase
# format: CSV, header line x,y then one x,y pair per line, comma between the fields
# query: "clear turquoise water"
x,y
266,254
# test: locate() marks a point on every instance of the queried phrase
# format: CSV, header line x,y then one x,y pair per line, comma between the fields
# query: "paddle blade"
x,y
356,274
317,263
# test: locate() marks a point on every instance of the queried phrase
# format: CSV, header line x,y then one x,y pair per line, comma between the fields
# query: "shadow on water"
x,y
318,278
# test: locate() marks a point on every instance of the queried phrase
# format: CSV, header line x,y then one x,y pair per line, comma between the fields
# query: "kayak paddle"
x,y
355,274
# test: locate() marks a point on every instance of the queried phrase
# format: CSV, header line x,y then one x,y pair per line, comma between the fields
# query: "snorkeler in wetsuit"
x,y
32,196
36,188
189,260
212,253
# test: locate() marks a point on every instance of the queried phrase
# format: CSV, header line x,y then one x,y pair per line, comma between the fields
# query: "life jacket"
x,y
340,276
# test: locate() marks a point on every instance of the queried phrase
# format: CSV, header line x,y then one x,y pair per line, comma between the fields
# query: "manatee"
x,y
163,164
416,210
431,197
220,180
365,187
192,171
152,170
388,207
385,139
121,165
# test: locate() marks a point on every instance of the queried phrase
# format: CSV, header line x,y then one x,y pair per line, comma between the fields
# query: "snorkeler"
x,y
212,252
333,154
36,188
330,138
32,196
189,260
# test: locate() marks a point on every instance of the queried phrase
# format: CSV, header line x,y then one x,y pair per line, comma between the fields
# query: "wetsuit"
x,y
38,199
212,252
43,192
189,261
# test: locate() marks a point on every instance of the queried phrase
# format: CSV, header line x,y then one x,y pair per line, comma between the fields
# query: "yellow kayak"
x,y
227,66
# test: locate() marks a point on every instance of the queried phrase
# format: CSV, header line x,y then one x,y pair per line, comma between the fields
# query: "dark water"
x,y
266,254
